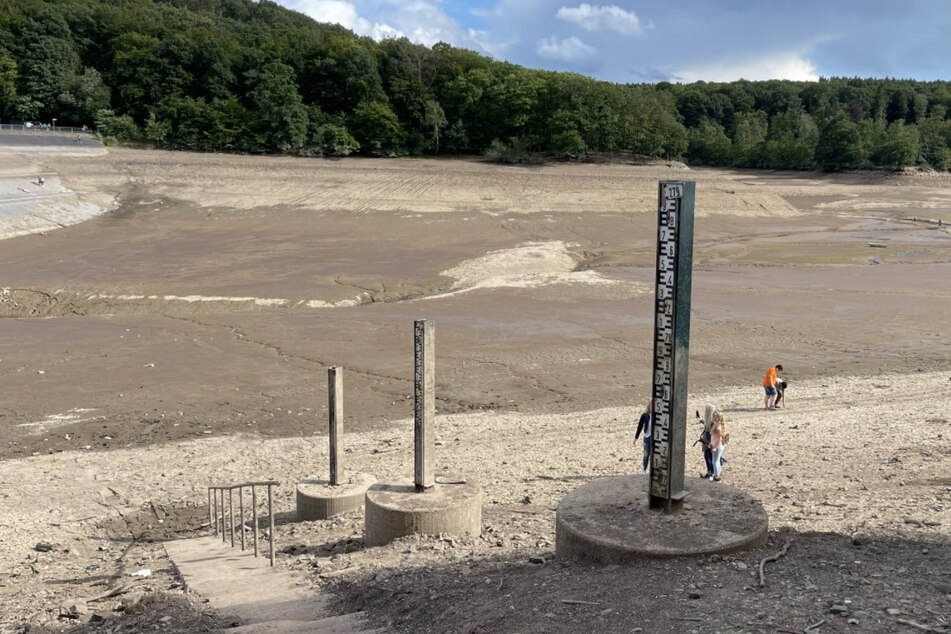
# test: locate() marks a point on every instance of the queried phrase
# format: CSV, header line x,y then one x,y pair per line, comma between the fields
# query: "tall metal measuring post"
x,y
671,343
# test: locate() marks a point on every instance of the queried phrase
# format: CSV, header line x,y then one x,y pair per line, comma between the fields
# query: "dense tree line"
x,y
243,76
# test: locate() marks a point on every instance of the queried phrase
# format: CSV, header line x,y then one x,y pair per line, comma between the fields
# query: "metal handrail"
x,y
214,515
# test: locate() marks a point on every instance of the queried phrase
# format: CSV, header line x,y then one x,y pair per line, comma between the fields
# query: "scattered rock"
x,y
43,547
73,608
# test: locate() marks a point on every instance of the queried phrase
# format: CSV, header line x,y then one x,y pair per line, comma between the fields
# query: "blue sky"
x,y
672,40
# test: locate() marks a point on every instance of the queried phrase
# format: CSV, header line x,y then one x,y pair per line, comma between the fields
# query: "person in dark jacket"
x,y
646,423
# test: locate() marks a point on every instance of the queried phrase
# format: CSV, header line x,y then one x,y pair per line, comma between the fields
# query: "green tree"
x,y
377,128
456,138
8,89
435,119
708,144
839,144
898,148
694,106
44,63
335,140
275,96
749,137
109,125
82,96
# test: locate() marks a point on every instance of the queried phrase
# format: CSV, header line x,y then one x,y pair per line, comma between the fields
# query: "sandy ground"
x,y
182,338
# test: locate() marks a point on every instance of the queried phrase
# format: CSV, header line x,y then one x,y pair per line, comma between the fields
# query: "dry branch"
x,y
923,628
762,578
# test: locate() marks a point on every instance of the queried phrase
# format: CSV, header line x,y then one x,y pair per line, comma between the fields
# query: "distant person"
x,y
705,436
769,384
781,385
646,423
718,438
39,180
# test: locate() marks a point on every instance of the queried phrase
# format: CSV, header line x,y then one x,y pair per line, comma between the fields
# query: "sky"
x,y
647,41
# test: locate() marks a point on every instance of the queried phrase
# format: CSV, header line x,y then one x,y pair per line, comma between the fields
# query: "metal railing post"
x,y
218,523
240,521
224,533
254,513
241,507
270,512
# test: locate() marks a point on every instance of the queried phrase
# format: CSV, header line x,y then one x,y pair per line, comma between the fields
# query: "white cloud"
x,y
569,50
790,66
344,14
597,18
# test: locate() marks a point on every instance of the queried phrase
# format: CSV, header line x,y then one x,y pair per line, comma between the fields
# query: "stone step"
x,y
246,588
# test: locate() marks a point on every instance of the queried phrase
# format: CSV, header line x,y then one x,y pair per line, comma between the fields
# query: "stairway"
x,y
259,597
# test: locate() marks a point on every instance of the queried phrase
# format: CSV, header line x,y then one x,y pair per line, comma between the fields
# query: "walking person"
x,y
718,438
646,423
769,384
705,436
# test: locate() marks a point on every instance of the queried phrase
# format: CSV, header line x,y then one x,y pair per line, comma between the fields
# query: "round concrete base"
x,y
318,500
609,521
397,509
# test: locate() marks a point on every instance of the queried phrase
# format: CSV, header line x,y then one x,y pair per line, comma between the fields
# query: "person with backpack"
x,y
719,437
705,436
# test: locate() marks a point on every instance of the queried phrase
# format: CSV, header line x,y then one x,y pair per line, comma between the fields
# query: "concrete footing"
x,y
318,500
396,509
609,521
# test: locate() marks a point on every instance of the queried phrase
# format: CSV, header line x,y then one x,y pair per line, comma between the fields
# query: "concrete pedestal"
x,y
609,521
395,510
318,500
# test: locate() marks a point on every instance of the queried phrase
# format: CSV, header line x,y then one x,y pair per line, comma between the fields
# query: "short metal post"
x,y
424,392
270,512
231,514
210,511
335,385
241,507
254,514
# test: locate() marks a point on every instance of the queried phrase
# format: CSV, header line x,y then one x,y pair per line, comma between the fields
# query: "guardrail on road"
x,y
22,127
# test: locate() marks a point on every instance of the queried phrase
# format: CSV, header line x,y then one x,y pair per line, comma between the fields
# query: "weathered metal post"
x,y
231,513
224,532
335,410
254,515
671,343
270,513
211,516
241,508
219,511
424,389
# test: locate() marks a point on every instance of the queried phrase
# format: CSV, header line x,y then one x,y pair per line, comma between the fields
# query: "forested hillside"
x,y
243,76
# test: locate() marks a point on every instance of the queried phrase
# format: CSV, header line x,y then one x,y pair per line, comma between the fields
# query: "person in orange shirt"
x,y
769,384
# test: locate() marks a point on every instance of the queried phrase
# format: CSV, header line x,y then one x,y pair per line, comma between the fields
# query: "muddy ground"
x,y
183,337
